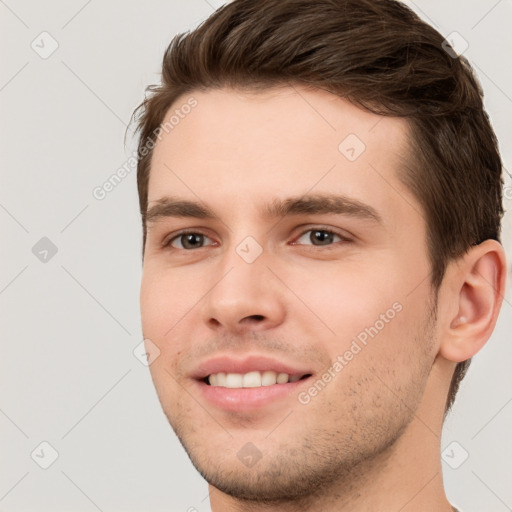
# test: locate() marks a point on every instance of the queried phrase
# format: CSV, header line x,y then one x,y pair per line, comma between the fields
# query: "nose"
x,y
244,297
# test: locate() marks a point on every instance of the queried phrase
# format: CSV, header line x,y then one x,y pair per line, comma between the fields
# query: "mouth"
x,y
243,385
253,379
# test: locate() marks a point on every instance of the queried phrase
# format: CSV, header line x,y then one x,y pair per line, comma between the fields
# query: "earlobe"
x,y
478,285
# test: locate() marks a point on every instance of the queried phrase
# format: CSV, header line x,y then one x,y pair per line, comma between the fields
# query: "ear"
x,y
474,286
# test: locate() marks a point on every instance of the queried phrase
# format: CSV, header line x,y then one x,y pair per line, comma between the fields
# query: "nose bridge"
x,y
243,290
245,254
241,274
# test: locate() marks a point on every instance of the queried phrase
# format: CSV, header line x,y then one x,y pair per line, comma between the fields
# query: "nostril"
x,y
252,318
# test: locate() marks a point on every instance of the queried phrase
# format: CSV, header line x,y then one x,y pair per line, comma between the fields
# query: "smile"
x,y
254,379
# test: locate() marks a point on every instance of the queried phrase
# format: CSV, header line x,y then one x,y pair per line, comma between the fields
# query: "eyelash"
x,y
167,244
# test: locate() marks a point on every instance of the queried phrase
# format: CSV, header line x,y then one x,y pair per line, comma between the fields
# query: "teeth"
x,y
251,379
268,378
282,378
234,380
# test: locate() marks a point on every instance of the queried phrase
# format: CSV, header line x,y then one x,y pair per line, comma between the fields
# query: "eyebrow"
x,y
316,204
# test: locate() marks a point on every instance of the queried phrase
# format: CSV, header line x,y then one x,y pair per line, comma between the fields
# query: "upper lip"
x,y
232,364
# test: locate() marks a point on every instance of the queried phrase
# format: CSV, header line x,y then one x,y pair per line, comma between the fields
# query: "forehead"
x,y
238,147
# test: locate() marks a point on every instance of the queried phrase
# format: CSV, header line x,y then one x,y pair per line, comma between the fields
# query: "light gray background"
x,y
70,324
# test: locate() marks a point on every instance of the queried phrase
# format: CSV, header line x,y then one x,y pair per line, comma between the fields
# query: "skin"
x,y
370,439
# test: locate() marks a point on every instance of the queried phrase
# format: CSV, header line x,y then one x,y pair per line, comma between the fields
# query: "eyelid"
x,y
166,243
345,237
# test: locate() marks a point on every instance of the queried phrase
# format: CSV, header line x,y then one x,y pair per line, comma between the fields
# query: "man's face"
x,y
278,281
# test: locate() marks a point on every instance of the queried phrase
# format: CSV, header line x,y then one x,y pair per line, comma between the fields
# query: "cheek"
x,y
167,301
158,305
346,297
165,298
366,313
151,305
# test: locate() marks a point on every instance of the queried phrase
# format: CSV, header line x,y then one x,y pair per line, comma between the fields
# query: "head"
x,y
279,106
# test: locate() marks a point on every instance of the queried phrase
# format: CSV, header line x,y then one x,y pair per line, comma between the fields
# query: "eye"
x,y
189,240
320,237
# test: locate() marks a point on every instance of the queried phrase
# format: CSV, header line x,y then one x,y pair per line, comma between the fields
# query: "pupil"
x,y
191,240
322,237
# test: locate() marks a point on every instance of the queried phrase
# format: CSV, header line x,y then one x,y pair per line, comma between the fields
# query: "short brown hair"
x,y
379,55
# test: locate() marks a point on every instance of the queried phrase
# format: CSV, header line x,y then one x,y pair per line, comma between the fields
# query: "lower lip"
x,y
247,399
